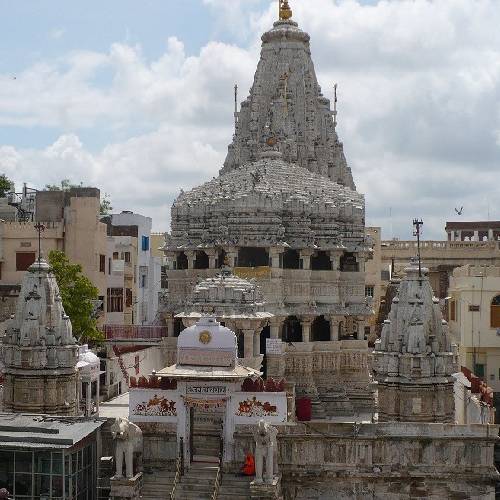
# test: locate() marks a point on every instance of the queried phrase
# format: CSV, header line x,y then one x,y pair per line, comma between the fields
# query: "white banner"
x,y
250,407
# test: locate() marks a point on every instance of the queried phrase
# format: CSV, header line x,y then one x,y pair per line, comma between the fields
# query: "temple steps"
x,y
234,487
157,485
197,483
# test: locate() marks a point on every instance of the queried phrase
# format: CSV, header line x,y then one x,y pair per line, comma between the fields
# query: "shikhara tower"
x,y
40,352
414,360
285,211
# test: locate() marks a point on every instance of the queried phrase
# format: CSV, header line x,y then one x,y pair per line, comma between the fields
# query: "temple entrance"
x,y
206,430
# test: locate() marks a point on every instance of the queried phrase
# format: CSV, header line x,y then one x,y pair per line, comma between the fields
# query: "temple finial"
x,y
285,10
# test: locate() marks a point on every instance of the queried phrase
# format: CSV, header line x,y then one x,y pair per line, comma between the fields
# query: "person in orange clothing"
x,y
248,468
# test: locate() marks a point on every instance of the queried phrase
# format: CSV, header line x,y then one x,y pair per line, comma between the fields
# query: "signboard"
x,y
473,308
205,357
274,346
206,389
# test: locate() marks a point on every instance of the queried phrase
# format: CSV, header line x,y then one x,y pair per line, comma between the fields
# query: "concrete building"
x,y
129,245
473,231
474,317
70,218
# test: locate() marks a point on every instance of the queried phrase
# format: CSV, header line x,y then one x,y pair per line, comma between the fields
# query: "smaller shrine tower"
x,y
414,359
40,352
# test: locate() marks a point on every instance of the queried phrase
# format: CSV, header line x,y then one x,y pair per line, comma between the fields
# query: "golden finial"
x,y
285,10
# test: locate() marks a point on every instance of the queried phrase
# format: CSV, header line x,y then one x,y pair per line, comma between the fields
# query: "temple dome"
x,y
265,202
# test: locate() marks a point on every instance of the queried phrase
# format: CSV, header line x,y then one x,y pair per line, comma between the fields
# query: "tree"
x,y
105,208
5,185
79,297
66,185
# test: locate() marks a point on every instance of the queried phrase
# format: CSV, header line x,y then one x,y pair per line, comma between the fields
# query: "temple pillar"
x,y
335,260
170,326
248,335
274,254
256,344
305,255
232,256
191,256
212,257
334,328
361,330
275,327
306,328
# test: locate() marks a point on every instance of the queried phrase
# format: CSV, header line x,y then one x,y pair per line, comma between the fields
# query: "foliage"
x,y
78,295
5,185
66,185
105,208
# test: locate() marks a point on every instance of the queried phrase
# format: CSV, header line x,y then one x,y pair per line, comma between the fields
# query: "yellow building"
x,y
474,319
71,221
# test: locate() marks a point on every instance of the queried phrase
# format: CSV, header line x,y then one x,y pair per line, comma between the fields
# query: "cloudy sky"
x,y
136,97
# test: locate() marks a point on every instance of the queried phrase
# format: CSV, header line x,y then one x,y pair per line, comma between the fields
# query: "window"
x,y
109,266
115,300
128,297
143,282
126,256
453,310
369,289
115,256
495,312
145,243
24,260
102,263
479,370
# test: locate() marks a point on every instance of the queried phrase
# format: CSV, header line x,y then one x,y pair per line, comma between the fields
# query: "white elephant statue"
x,y
128,439
266,446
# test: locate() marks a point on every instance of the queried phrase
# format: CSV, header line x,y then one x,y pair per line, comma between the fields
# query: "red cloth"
x,y
249,466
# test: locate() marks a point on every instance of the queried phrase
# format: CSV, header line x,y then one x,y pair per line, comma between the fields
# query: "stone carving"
x,y
128,440
414,359
266,448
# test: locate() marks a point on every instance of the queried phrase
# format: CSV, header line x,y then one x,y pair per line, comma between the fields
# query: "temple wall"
x,y
383,461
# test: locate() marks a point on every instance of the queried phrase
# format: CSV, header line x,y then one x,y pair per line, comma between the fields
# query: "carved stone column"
x,y
334,327
306,322
361,329
335,259
275,327
170,325
274,254
231,256
248,335
305,255
212,257
191,256
256,344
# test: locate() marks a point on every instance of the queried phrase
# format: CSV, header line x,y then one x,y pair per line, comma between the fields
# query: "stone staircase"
x,y
157,485
197,483
234,487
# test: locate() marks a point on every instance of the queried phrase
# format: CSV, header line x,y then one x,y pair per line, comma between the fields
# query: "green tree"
x,y
79,297
66,185
5,185
106,207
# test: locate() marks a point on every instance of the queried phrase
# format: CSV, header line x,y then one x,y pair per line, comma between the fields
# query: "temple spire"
x,y
285,12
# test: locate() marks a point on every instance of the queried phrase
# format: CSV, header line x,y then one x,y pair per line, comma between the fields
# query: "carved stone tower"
x,y
414,360
40,351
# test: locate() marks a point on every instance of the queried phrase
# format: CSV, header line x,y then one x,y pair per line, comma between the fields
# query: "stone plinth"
x,y
125,488
269,491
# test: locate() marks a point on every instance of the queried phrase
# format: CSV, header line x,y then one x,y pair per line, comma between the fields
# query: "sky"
x,y
136,98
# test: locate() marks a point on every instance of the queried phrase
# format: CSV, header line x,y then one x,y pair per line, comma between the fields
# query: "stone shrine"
x,y
414,360
284,211
40,352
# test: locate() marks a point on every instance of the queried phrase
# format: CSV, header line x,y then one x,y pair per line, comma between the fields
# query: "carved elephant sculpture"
x,y
128,440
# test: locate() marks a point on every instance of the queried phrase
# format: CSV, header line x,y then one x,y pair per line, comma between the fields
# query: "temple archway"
x,y
291,259
320,261
292,330
201,260
320,329
181,261
253,257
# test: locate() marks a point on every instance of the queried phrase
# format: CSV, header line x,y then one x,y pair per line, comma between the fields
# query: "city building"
x,y
68,218
474,317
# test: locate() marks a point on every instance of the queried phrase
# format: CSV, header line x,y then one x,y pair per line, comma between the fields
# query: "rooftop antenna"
x,y
39,228
417,232
335,106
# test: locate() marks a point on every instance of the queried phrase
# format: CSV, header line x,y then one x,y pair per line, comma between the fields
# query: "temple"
x,y
283,212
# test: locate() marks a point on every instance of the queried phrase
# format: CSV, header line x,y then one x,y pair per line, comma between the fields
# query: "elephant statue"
x,y
266,446
128,439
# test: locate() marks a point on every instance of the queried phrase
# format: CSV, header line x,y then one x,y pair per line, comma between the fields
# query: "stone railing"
x,y
134,332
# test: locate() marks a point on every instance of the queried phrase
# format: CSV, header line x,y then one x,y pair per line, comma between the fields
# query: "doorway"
x,y
206,430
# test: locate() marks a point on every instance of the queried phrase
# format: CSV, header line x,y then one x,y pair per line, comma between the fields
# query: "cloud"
x,y
419,109
57,33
